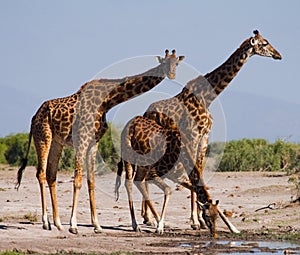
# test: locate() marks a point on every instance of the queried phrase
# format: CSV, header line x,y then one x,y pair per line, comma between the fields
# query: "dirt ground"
x,y
239,193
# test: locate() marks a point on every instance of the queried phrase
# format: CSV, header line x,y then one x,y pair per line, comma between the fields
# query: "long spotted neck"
x,y
223,75
121,90
141,83
136,85
207,88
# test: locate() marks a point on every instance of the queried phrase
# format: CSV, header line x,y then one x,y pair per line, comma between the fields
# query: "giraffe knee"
x,y
78,182
91,185
51,179
168,191
41,176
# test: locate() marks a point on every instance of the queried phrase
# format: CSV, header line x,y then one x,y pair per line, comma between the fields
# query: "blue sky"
x,y
49,49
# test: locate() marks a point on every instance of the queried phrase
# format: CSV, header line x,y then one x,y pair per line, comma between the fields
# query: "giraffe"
x,y
188,110
163,144
79,121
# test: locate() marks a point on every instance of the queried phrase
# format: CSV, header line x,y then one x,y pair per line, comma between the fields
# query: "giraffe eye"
x,y
265,43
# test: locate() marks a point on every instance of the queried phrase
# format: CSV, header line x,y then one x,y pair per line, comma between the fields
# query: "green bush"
x,y
240,155
259,155
13,149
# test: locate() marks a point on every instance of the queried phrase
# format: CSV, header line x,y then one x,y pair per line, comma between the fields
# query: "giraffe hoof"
x,y
47,226
98,230
137,229
149,223
59,227
203,227
159,231
73,231
195,226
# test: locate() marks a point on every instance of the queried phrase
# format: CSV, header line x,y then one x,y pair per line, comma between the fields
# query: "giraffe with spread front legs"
x,y
79,121
188,111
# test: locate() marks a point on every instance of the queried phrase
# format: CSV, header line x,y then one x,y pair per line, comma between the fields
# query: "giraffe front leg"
x,y
194,212
167,192
91,187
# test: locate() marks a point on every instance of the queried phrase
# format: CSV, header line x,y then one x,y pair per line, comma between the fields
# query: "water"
x,y
262,247
245,247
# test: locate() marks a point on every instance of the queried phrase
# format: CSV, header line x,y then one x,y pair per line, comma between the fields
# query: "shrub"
x,y
259,155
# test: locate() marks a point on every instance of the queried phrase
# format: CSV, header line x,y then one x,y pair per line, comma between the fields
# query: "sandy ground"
x,y
239,193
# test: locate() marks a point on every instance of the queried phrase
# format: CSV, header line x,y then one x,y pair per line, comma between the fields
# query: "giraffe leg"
x,y
140,183
77,186
167,192
146,212
202,151
51,173
128,185
91,187
196,215
42,149
194,212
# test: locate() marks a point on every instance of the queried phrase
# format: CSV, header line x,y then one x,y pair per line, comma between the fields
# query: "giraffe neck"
x,y
206,88
136,85
199,187
224,74
115,91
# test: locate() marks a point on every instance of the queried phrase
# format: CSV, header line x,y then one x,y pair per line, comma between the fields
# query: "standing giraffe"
x,y
189,112
79,120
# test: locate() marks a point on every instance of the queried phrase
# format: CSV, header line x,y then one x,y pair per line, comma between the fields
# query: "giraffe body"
x,y
79,120
192,104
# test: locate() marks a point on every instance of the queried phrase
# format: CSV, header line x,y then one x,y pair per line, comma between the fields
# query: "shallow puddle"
x,y
244,247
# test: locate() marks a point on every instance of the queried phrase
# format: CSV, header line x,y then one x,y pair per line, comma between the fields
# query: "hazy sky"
x,y
50,48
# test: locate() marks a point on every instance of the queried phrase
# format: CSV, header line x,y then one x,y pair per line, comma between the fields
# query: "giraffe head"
x,y
262,47
169,63
210,214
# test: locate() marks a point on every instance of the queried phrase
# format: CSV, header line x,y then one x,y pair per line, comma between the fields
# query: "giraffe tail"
x,y
118,179
24,164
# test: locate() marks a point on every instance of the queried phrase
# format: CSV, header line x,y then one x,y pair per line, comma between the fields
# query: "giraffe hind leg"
x,y
42,149
140,183
146,212
128,185
91,157
51,174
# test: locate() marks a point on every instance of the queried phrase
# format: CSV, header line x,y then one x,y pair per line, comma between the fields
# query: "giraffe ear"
x,y
159,59
180,58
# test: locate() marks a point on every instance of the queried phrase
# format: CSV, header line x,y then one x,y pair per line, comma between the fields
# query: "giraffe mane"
x,y
244,43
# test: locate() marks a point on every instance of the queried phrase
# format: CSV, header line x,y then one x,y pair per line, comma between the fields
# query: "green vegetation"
x,y
13,148
257,155
240,155
31,217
